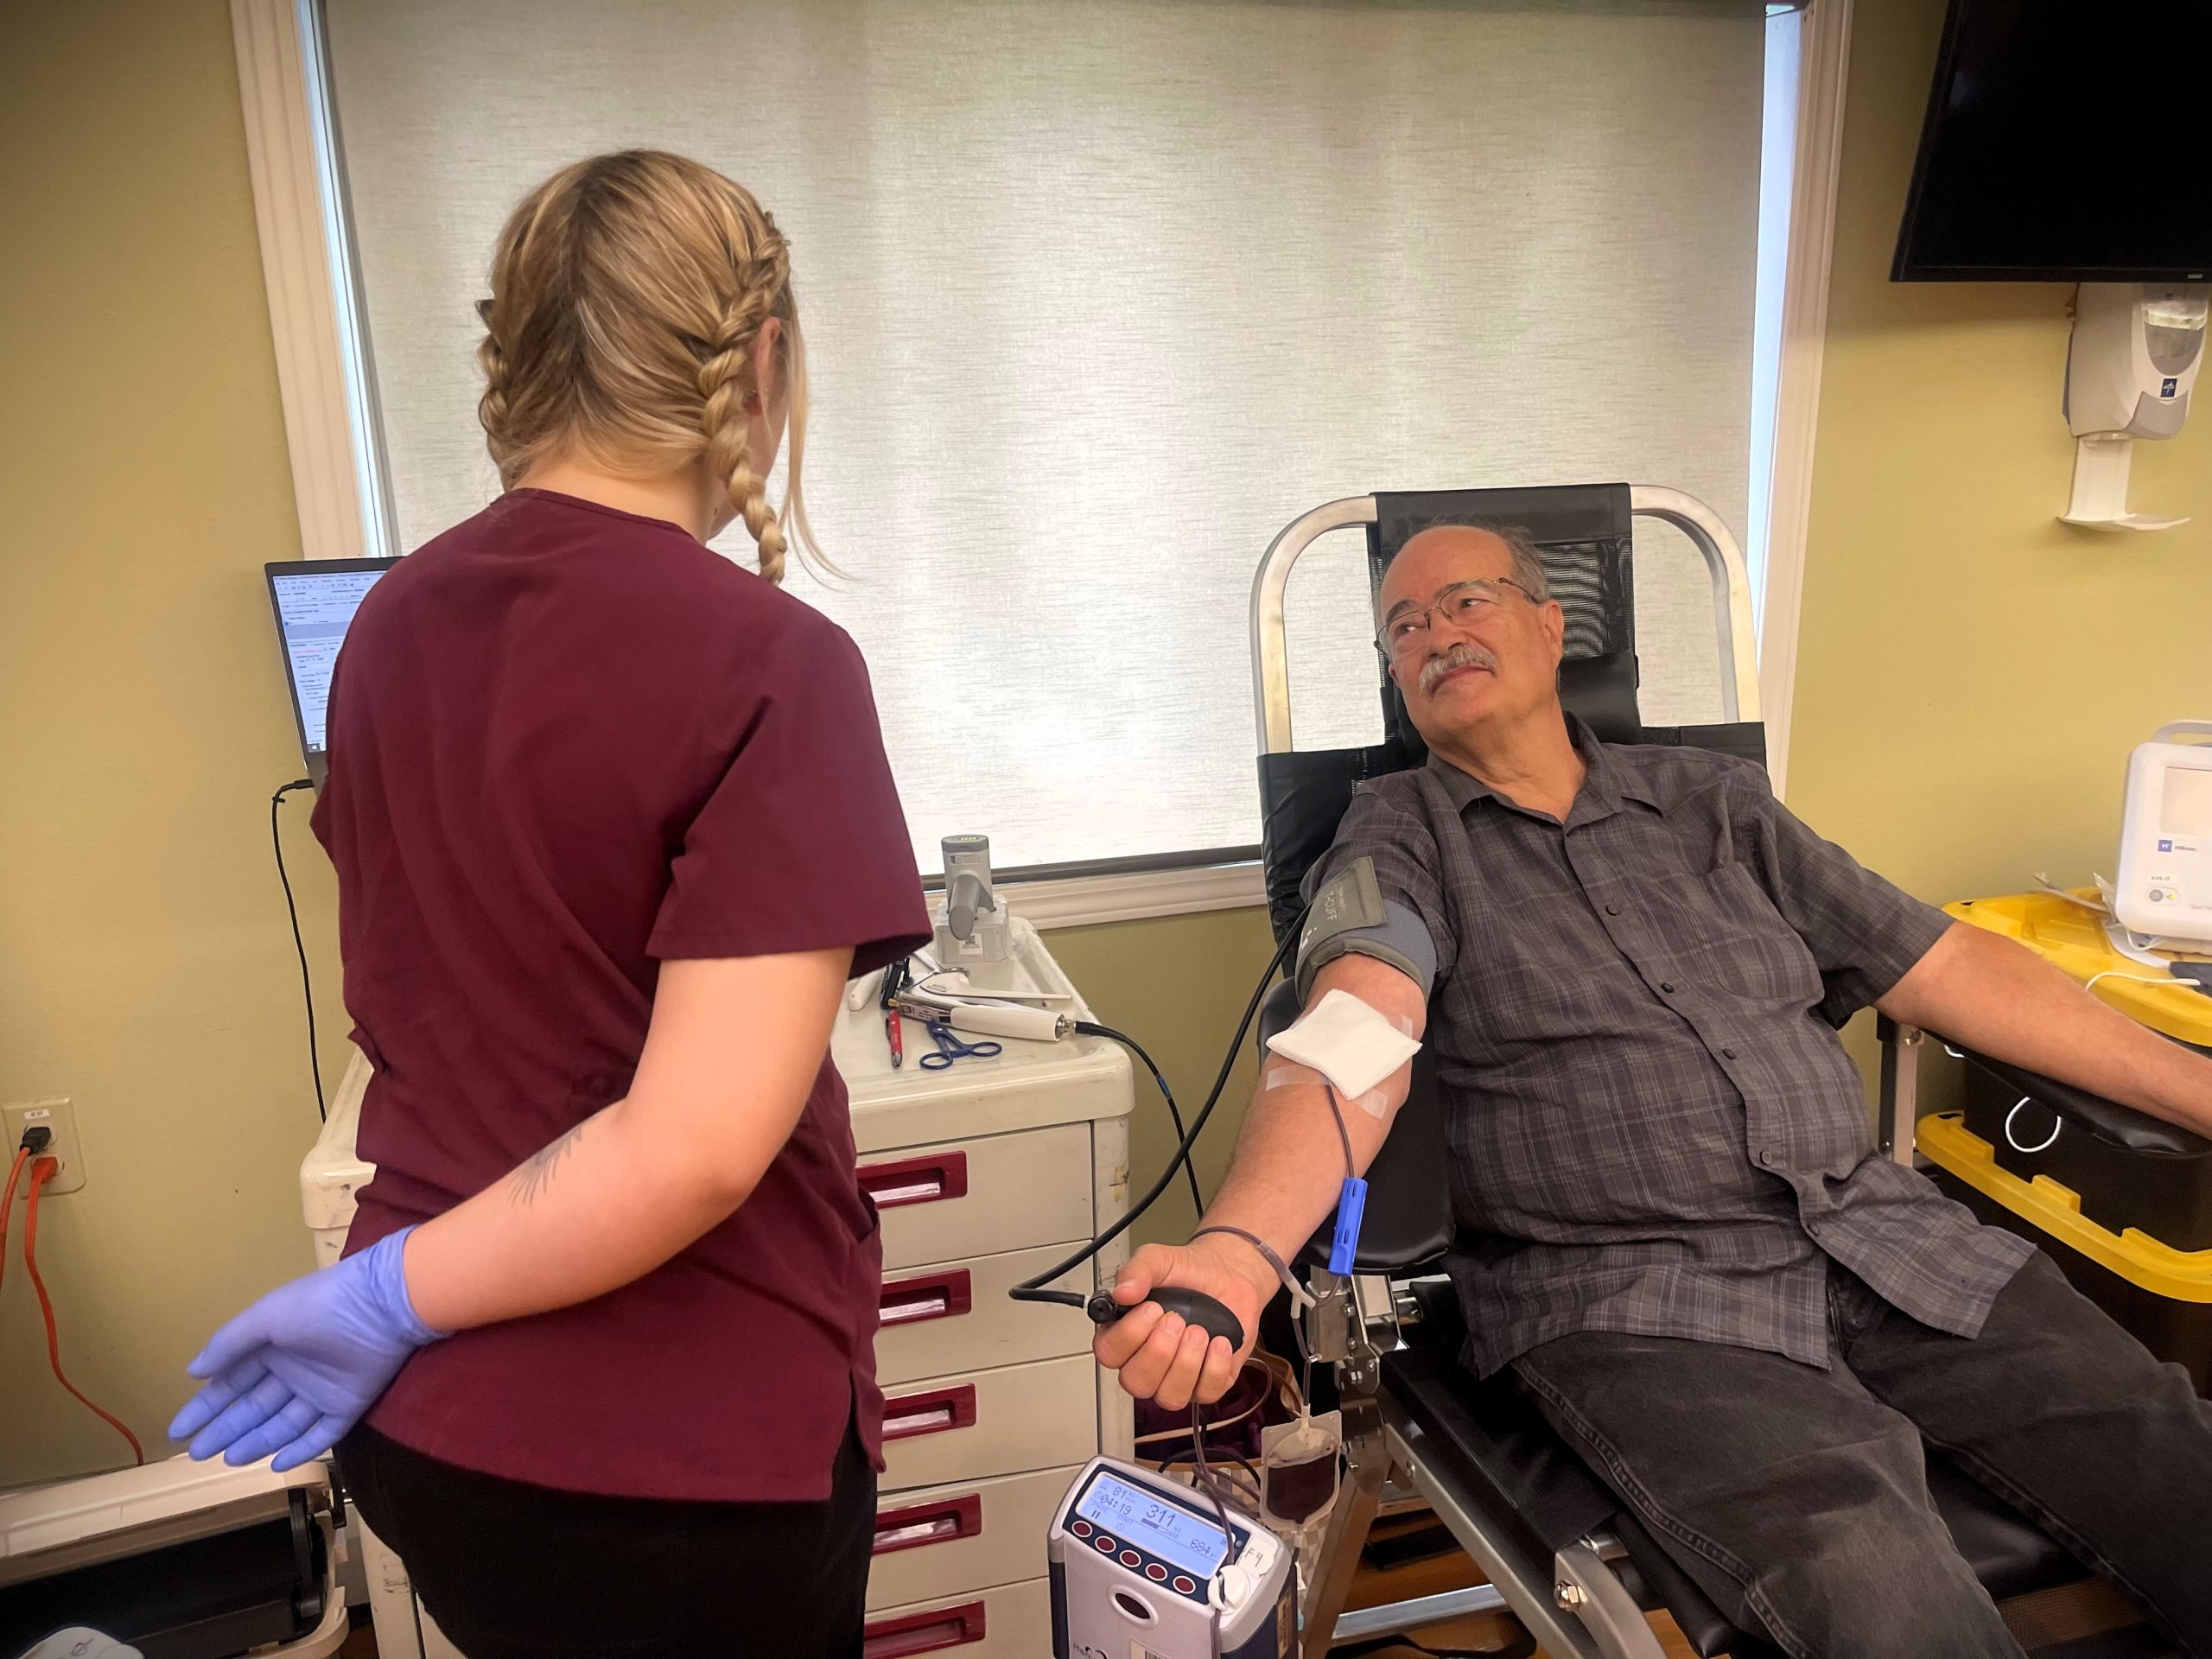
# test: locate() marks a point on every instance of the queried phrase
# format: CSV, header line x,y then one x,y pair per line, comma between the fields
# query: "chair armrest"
x,y
2107,1120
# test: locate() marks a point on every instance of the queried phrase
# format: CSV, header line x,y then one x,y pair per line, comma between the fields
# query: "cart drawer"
x,y
1008,1422
945,1541
996,1192
956,1316
1012,1622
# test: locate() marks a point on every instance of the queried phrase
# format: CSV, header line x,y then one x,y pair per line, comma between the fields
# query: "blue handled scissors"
x,y
950,1048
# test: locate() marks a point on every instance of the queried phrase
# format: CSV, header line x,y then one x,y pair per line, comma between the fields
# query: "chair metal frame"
x,y
1724,562
1576,1603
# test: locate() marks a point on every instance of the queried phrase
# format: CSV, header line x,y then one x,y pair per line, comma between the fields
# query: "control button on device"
x,y
1106,1546
1156,1573
1081,1529
1184,1587
1130,1558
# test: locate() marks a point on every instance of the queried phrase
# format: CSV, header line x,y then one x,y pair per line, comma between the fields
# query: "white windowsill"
x,y
1080,901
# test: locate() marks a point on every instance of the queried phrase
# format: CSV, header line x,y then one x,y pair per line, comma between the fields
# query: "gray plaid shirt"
x,y
1655,1128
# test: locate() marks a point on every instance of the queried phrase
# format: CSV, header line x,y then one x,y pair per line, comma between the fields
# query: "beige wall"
x,y
1971,672
146,971
1177,985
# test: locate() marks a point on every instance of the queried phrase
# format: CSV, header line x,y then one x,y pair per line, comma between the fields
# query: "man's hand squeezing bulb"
x,y
1193,1307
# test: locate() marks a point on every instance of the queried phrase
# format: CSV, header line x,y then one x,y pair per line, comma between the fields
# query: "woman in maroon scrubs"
x,y
612,826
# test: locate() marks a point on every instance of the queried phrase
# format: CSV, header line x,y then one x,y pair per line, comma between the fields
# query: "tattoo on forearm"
x,y
533,1176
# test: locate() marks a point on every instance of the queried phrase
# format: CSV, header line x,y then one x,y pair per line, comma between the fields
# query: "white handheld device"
x,y
2164,885
1141,1569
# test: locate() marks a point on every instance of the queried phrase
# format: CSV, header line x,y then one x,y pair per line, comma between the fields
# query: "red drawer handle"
x,y
929,1523
948,1627
933,1413
915,1180
934,1296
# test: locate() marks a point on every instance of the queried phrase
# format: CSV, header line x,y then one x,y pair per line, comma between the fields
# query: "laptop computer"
x,y
315,600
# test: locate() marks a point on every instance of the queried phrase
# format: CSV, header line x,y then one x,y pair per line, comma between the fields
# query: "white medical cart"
x,y
984,1173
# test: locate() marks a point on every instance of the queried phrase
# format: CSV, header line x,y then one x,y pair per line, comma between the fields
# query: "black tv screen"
x,y
2066,141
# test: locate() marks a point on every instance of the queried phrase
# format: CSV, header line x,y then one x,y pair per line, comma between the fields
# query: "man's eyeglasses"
x,y
1462,604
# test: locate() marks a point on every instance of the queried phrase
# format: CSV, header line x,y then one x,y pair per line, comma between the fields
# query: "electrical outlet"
x,y
54,1115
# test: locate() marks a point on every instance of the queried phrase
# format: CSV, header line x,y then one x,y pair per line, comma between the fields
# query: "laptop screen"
x,y
315,599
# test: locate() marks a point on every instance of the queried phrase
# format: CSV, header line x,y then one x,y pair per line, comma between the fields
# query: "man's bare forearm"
x,y
1289,1163
1991,993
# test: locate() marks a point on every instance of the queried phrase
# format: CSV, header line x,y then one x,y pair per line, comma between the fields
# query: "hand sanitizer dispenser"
x,y
2136,349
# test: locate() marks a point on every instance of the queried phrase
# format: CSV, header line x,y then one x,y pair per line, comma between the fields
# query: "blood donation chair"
x,y
1559,1550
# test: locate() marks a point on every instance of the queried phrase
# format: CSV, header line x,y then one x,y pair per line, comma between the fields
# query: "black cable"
x,y
1090,1029
1031,1289
292,909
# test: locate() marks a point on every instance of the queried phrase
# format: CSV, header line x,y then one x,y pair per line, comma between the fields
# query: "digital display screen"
x,y
2186,806
1168,1530
2012,181
313,611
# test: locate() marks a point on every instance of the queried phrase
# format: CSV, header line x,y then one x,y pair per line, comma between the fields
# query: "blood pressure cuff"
x,y
1350,916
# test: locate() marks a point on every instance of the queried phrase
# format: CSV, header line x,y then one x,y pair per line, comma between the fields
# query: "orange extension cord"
x,y
8,1203
42,1172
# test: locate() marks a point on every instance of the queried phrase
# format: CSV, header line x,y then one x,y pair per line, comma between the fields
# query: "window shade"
x,y
1097,297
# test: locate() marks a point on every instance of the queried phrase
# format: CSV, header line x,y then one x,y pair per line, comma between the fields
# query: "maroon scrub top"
x,y
566,744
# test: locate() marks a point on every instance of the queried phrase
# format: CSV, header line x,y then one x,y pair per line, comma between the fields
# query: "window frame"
x,y
333,432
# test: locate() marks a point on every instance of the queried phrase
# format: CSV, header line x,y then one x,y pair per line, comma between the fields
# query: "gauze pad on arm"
x,y
1347,1042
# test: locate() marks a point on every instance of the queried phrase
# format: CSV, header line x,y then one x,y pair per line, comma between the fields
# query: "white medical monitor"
x,y
2165,884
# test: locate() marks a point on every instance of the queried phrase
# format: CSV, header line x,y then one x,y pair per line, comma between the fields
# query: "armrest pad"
x,y
2107,1120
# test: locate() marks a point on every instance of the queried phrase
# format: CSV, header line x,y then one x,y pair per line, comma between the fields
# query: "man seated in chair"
x,y
1630,965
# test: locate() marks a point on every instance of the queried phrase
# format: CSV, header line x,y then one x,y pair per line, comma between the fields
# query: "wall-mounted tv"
x,y
2066,141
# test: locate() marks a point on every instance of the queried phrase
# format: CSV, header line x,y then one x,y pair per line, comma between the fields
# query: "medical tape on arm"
x,y
1283,1075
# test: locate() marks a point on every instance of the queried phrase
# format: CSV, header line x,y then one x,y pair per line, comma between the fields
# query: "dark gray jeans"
x,y
1798,1499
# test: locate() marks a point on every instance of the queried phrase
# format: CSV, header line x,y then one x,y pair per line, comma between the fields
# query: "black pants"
x,y
1800,1497
512,1571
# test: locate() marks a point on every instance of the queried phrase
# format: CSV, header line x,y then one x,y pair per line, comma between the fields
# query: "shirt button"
x,y
1612,910
1727,1053
1667,985
1770,1157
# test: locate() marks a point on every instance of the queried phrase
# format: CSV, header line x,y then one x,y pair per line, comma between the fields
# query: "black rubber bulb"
x,y
1195,1306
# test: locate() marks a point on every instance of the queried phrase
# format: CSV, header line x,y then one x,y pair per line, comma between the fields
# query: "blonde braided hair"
x,y
628,293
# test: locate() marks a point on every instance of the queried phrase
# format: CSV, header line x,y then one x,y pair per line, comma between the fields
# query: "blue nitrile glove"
x,y
296,1370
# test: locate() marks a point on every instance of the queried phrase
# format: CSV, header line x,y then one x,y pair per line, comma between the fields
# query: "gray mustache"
x,y
1461,656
